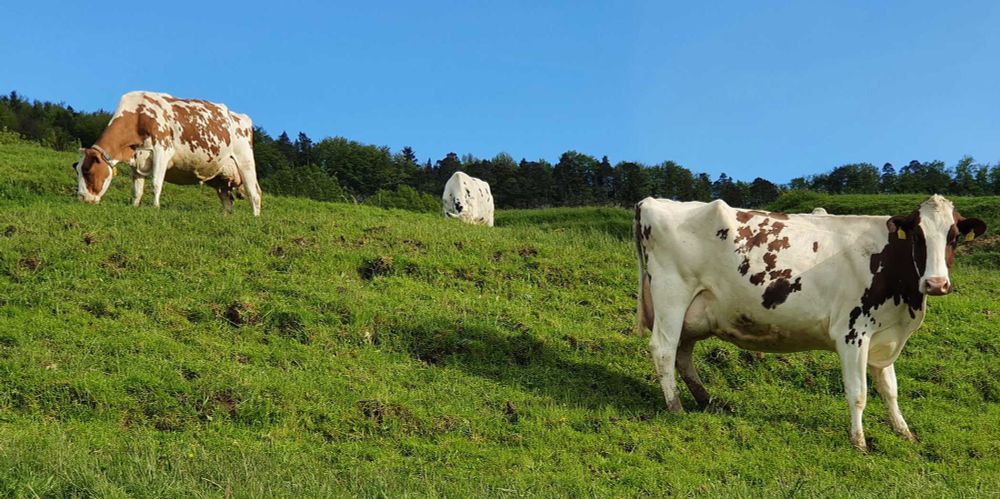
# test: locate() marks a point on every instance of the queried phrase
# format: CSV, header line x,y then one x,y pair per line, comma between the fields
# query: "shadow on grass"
x,y
514,356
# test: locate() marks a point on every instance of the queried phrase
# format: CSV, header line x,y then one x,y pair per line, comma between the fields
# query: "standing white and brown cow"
x,y
468,199
181,141
771,282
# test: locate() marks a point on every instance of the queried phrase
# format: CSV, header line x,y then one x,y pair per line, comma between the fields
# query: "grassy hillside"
x,y
331,349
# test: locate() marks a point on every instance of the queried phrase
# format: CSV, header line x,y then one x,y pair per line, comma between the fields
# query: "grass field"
x,y
334,349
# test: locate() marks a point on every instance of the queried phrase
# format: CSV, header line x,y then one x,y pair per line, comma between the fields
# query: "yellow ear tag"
x,y
970,236
901,234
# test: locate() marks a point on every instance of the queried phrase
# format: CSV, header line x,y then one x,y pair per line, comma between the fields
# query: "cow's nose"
x,y
937,286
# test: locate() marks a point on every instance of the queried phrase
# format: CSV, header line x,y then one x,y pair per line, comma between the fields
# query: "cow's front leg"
x,y
853,361
663,346
248,172
670,300
138,184
159,174
885,383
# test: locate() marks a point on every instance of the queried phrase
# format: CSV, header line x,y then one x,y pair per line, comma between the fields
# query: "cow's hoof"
x,y
858,441
909,436
675,406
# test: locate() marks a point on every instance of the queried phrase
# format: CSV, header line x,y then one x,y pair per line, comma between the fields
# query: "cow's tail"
x,y
644,306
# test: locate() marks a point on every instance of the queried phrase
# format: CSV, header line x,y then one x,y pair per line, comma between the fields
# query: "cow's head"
x,y
933,232
93,172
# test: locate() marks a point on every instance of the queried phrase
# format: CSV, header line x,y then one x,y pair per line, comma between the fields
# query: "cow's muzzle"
x,y
937,286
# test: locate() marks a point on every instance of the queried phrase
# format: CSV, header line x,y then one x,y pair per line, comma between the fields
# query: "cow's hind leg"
x,y
685,364
885,383
853,361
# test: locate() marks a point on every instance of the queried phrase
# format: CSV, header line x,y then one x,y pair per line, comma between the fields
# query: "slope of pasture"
x,y
333,349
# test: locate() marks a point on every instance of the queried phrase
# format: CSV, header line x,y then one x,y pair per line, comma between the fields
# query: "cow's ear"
x,y
971,228
901,225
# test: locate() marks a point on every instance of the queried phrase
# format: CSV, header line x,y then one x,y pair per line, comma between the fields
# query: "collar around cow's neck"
x,y
107,157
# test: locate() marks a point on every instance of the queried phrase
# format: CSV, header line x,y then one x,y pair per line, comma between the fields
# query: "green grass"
x,y
334,349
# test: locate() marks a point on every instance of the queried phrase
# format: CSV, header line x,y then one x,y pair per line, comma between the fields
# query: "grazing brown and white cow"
x,y
181,141
468,199
772,282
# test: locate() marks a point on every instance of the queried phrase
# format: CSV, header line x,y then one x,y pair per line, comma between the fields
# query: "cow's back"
x,y
203,139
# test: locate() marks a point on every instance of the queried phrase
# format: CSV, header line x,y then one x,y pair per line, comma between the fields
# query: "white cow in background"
x,y
468,199
819,210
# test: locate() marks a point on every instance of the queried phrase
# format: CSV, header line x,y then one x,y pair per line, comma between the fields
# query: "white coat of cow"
x,y
468,199
181,141
772,282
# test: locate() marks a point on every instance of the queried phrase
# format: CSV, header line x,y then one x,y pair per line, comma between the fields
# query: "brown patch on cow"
x,y
771,260
896,272
781,284
815,246
203,125
129,130
783,273
743,233
744,216
148,126
646,231
777,292
778,244
722,234
744,266
752,239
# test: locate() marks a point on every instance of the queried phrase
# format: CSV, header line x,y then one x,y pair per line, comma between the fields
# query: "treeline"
x,y
339,169
52,125
966,178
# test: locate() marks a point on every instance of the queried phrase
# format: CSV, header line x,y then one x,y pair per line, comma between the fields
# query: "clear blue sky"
x,y
772,89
